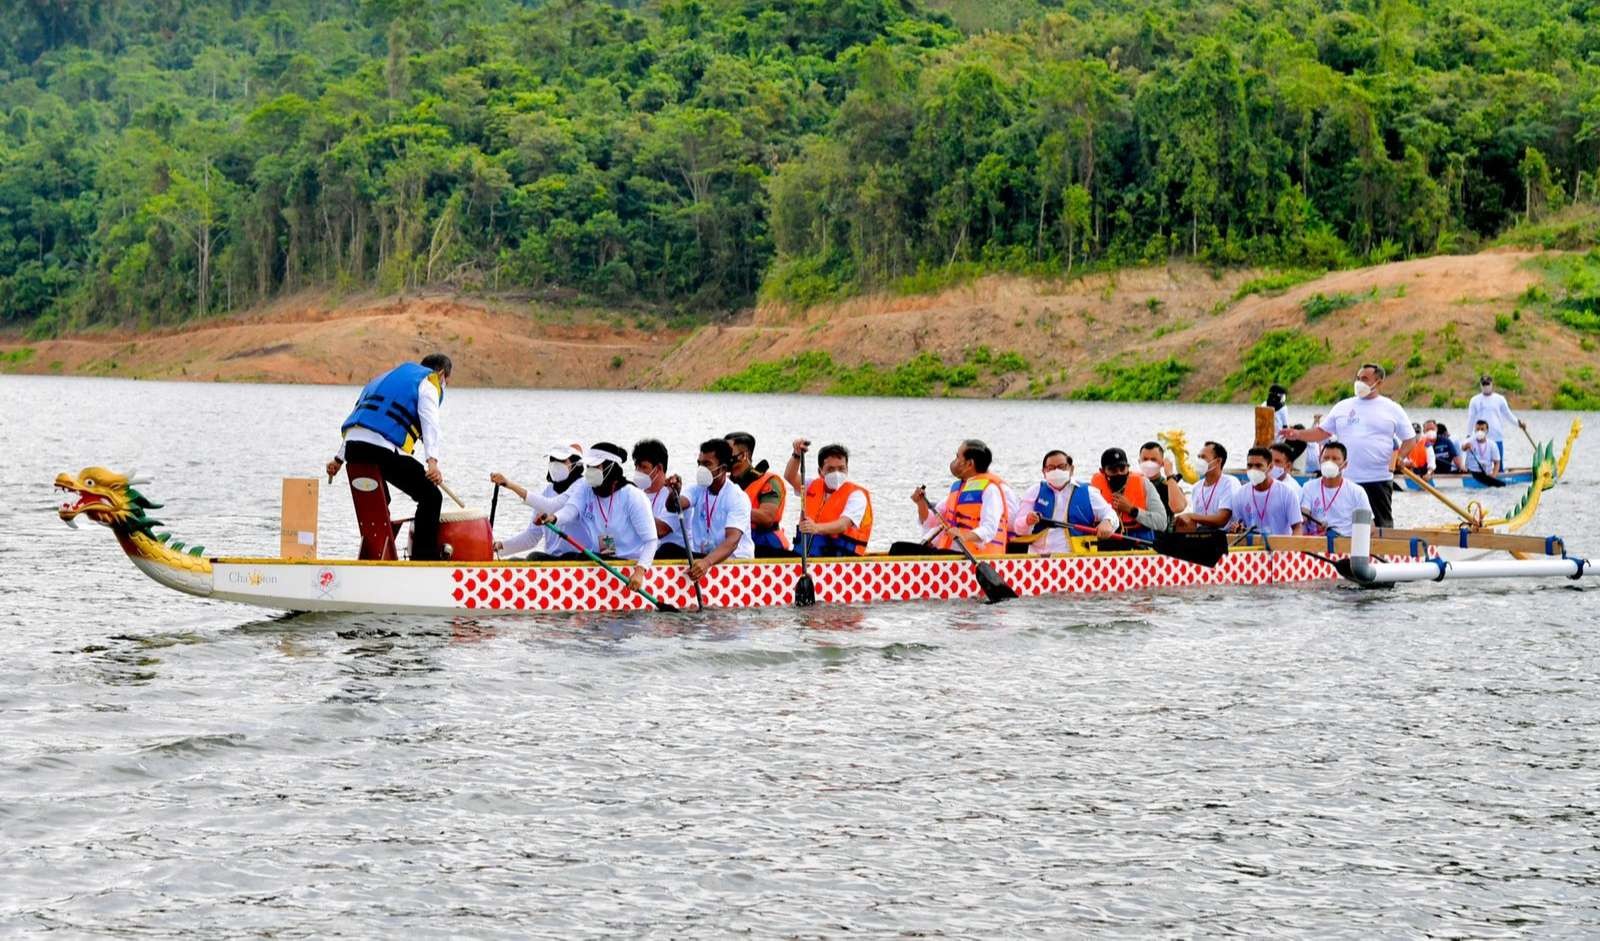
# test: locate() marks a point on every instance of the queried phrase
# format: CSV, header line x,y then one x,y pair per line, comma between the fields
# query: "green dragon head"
x,y
107,498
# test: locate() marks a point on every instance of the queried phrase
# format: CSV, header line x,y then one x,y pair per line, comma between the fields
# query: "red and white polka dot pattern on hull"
x,y
765,583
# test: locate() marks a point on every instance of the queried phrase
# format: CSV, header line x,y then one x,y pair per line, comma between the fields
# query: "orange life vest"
x,y
775,530
824,507
1421,455
963,509
1133,490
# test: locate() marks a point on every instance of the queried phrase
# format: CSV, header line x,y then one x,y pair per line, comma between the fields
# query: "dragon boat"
x,y
509,587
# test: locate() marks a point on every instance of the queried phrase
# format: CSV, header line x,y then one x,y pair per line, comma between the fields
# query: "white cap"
x,y
565,452
598,456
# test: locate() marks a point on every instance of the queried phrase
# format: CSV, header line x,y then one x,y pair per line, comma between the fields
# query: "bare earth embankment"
x,y
1438,314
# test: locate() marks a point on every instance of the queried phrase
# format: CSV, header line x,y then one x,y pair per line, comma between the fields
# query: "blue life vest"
x,y
388,405
1080,512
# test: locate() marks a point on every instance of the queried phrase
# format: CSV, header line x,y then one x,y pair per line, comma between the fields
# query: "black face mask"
x,y
1117,481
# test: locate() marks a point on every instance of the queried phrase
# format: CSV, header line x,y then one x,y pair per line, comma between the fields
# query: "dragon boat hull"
x,y
531,587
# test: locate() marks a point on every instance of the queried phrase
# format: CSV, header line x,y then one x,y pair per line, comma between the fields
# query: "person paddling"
x,y
1264,506
838,511
1481,458
976,510
394,413
1134,497
562,474
768,496
1370,425
1077,508
615,513
650,475
718,511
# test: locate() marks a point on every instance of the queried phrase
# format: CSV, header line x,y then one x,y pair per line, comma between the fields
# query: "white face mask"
x,y
1277,472
1487,390
642,480
594,476
702,476
1330,470
1149,468
1058,478
1362,389
1202,466
1256,476
1430,436
1481,435
833,480
559,471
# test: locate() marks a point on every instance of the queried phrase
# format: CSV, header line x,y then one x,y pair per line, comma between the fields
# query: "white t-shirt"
x,y
1333,506
1274,512
621,524
1480,455
1055,540
1494,409
1206,499
1369,429
658,506
711,515
1294,485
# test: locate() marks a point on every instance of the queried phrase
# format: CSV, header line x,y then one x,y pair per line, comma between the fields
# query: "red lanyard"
x,y
1326,504
604,516
1261,511
1211,496
711,508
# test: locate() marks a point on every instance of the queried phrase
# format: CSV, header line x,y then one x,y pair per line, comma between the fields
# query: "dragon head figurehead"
x,y
107,498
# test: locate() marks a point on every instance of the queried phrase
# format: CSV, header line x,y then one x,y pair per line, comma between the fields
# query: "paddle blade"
x,y
1204,549
994,587
805,593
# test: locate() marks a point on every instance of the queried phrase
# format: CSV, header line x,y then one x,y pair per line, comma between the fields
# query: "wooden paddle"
x,y
1203,548
805,593
451,494
994,587
1434,491
688,547
660,605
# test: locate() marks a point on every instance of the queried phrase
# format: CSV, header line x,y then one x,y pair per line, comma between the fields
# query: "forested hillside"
x,y
163,159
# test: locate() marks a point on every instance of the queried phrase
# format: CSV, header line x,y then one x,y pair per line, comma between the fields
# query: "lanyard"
x,y
605,515
1261,511
711,509
1211,496
1325,502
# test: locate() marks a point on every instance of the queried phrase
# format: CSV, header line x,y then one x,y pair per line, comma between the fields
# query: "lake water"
x,y
1290,760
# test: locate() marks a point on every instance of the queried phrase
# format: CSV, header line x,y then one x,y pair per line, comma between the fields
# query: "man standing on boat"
x,y
976,510
1079,508
393,414
1369,424
1492,407
838,511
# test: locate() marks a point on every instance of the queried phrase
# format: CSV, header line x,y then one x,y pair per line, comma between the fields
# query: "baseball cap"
x,y
1113,457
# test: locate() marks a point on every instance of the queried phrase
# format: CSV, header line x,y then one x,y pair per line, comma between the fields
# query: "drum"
x,y
465,536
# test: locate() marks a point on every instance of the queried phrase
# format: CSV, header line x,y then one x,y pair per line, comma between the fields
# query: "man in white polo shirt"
x,y
1373,429
1492,407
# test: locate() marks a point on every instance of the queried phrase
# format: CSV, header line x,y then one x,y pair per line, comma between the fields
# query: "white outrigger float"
x,y
512,587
